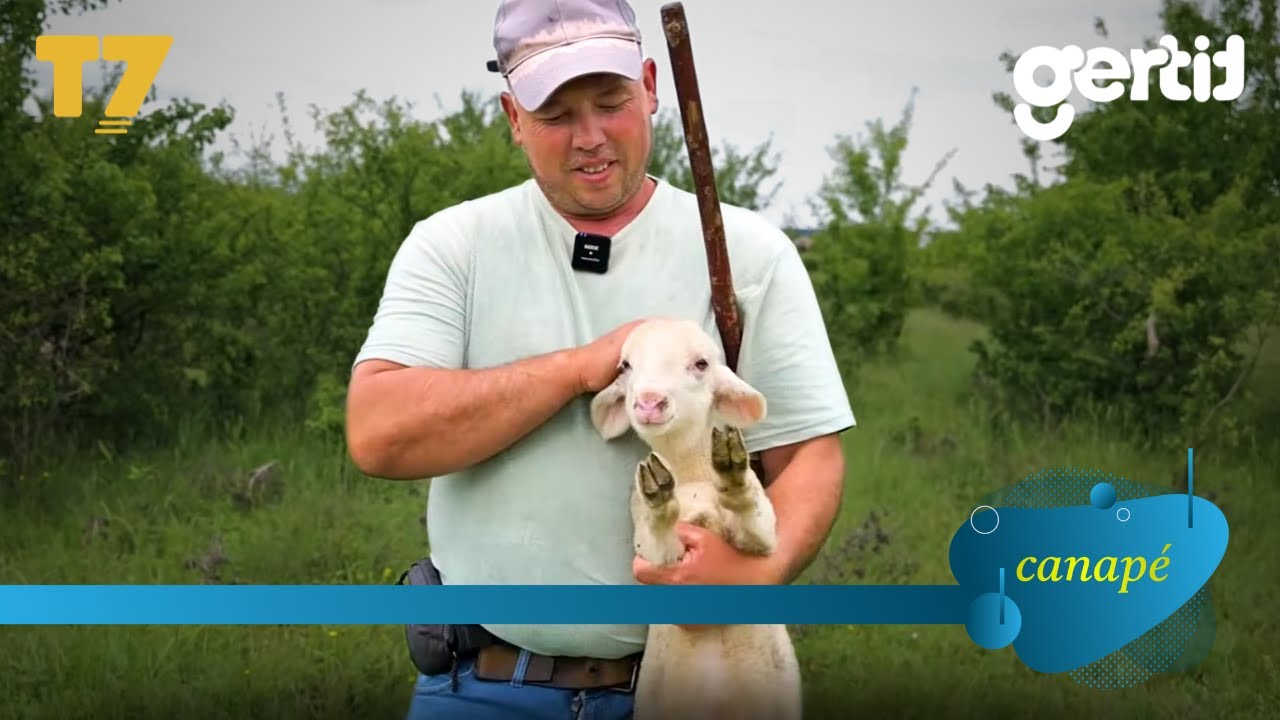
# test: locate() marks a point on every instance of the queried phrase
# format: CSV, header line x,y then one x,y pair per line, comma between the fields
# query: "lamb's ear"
x,y
609,411
739,404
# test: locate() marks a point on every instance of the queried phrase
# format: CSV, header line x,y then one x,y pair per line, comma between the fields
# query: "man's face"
x,y
588,145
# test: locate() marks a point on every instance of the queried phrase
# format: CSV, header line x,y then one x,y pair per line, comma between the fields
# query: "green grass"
x,y
923,453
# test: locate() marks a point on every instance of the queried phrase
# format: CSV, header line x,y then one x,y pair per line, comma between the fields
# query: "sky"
x,y
800,72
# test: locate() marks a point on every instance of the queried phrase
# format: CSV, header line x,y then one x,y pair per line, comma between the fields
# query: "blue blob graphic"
x,y
983,621
1103,495
1069,624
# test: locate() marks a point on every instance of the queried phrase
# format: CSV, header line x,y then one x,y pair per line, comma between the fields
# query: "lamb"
x,y
675,391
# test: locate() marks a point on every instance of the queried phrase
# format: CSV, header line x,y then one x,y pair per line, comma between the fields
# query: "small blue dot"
x,y
984,625
1103,495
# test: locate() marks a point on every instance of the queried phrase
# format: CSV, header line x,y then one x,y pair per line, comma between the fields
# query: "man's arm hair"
x,y
414,422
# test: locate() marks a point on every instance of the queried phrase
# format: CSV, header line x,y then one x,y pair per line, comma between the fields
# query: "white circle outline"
x,y
975,512
1127,514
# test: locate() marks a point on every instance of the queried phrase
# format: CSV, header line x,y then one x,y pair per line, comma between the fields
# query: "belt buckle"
x,y
635,674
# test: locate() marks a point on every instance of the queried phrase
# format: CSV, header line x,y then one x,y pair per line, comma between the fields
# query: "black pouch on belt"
x,y
435,648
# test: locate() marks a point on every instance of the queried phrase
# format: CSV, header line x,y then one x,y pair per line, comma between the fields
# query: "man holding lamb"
x,y
501,320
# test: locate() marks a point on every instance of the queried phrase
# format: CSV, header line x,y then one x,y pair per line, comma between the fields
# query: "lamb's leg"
x,y
655,513
749,517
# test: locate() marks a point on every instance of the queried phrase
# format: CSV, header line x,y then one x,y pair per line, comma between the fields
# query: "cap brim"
x,y
538,77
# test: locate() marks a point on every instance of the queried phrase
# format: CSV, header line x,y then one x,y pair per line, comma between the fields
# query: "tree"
x,y
1147,279
870,234
742,178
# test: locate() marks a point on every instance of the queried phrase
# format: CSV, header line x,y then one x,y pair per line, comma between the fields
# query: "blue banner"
x,y
497,604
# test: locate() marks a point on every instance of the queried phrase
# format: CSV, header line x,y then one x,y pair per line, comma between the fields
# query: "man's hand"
x,y
597,362
708,560
414,422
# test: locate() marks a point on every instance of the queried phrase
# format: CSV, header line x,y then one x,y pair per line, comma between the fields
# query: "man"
x,y
488,345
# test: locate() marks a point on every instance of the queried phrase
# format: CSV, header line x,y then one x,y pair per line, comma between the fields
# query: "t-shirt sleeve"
x,y
787,355
421,317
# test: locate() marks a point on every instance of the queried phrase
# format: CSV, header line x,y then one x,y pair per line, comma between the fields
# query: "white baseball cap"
x,y
542,44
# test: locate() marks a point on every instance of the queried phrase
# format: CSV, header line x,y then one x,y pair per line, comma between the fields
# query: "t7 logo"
x,y
142,54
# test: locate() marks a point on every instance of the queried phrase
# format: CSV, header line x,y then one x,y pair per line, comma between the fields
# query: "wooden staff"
x,y
723,301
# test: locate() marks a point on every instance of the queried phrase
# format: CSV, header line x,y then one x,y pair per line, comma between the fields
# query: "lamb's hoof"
x,y
655,480
729,457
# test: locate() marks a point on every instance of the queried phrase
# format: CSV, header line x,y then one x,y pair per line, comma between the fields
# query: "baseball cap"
x,y
542,44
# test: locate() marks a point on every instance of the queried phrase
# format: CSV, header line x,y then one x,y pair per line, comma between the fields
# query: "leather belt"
x,y
499,662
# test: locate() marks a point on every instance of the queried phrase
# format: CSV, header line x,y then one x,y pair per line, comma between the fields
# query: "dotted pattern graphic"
x,y
1067,487
1178,642
1156,651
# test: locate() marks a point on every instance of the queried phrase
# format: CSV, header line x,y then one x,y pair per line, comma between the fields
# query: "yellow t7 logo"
x,y
142,54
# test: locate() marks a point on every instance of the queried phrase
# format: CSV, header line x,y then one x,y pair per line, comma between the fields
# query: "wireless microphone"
x,y
591,252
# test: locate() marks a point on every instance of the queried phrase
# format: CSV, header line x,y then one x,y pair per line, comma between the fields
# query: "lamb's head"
x,y
673,382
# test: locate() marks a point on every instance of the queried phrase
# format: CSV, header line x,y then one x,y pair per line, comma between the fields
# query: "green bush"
x,y
1108,298
1146,279
870,234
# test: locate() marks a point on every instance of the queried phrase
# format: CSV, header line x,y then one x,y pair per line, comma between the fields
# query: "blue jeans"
x,y
434,697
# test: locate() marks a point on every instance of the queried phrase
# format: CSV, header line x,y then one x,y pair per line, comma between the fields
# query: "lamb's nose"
x,y
650,401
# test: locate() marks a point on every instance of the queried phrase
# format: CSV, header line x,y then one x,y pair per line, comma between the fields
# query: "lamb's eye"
x,y
701,364
625,366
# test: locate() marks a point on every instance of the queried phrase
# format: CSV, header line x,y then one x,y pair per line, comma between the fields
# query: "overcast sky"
x,y
801,71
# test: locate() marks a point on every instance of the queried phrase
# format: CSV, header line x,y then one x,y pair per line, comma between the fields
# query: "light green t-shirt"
x,y
489,281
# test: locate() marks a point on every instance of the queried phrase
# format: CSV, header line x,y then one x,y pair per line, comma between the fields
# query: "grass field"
x,y
923,453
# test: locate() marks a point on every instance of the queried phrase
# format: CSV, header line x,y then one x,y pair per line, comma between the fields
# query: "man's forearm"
x,y
806,495
410,423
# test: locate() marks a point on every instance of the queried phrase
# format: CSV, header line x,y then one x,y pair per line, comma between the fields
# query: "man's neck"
x,y
610,225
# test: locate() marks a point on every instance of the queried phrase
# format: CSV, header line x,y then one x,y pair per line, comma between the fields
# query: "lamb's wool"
x,y
676,393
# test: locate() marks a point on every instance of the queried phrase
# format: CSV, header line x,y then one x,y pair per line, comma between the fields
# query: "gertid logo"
x,y
142,54
1103,63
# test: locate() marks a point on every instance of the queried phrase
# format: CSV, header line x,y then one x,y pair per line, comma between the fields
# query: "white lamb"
x,y
678,395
